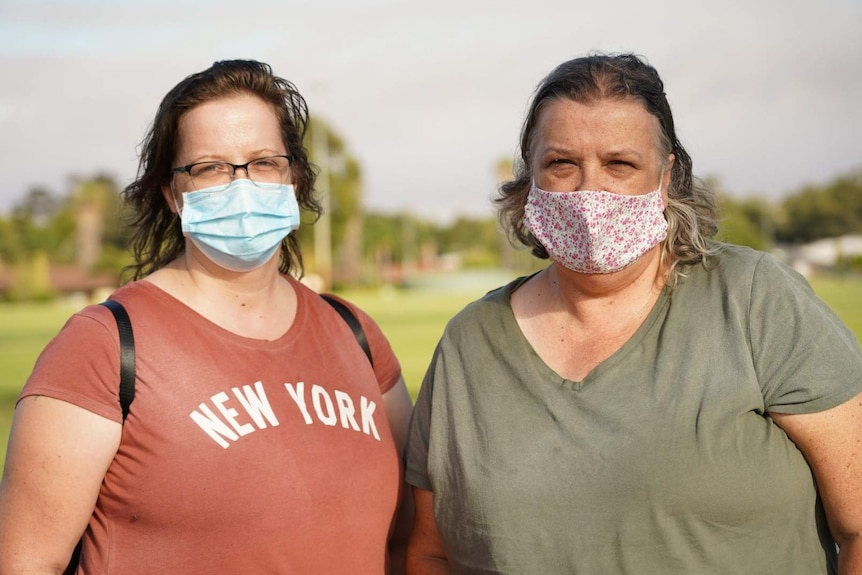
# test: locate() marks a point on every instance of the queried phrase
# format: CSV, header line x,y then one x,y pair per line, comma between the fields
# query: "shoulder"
x,y
765,275
386,367
490,313
88,347
141,295
329,302
744,271
97,317
735,260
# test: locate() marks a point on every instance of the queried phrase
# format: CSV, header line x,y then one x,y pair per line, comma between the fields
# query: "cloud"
x,y
430,96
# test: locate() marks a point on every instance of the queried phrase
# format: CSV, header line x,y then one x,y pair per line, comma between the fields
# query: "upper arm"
x,y
831,442
806,359
399,408
57,457
425,551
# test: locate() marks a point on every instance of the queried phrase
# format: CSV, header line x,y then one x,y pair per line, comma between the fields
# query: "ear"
x,y
667,177
174,202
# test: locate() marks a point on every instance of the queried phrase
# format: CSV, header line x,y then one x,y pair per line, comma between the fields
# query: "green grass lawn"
x,y
844,296
413,321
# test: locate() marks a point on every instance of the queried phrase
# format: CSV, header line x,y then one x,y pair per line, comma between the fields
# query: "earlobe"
x,y
669,167
668,175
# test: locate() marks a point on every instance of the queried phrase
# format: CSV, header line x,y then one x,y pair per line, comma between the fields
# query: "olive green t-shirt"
x,y
663,459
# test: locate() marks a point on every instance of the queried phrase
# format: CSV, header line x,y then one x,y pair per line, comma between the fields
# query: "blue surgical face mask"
x,y
240,227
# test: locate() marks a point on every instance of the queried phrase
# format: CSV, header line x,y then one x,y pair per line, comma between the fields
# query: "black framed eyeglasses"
x,y
268,170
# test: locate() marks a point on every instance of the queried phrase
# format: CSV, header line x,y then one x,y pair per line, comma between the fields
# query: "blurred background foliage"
x,y
75,241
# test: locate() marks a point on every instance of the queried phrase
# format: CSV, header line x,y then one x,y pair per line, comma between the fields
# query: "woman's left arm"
x,y
399,408
831,442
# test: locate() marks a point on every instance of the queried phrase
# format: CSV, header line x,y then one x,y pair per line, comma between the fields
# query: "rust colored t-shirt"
x,y
238,455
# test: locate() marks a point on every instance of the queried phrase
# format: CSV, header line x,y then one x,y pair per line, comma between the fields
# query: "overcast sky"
x,y
430,96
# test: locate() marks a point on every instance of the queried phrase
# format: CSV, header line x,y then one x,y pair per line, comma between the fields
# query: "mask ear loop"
x,y
178,211
665,197
661,180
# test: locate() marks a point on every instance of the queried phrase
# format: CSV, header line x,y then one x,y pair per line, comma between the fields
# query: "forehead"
x,y
608,122
235,120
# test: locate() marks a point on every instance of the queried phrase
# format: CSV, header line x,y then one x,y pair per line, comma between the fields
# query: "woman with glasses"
x,y
261,439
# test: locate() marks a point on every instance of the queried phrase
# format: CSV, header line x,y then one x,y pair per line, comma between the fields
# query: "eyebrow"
x,y
260,153
625,152
618,153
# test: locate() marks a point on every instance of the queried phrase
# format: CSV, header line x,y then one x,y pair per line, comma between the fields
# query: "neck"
x,y
200,283
600,304
646,275
575,321
259,304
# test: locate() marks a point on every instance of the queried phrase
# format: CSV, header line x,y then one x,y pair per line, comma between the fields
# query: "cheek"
x,y
552,184
557,178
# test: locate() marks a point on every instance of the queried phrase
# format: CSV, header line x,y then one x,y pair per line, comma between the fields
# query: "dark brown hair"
x,y
157,238
691,210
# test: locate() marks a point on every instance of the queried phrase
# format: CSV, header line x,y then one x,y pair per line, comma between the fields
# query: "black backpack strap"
x,y
127,354
353,323
127,387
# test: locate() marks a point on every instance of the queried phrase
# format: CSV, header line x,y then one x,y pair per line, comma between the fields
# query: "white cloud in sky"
x,y
429,96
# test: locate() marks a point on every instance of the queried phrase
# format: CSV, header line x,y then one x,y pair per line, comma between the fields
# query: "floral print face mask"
x,y
595,232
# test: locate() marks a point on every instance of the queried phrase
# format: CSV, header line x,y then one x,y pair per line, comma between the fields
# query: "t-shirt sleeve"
x,y
81,365
387,369
416,465
806,359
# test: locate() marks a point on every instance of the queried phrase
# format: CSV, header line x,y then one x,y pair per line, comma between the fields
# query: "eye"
x,y
621,168
209,168
264,163
270,164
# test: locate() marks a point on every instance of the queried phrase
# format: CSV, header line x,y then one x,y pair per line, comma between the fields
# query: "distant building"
x,y
822,254
67,281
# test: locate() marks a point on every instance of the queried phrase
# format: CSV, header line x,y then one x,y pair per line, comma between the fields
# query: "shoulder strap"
x,y
352,322
127,345
127,387
127,354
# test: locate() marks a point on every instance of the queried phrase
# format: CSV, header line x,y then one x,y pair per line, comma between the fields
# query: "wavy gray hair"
x,y
691,211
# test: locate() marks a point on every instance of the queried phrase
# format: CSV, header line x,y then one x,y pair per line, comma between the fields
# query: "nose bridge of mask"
x,y
660,185
240,197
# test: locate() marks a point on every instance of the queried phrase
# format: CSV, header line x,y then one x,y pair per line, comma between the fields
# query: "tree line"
x,y
813,212
85,227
